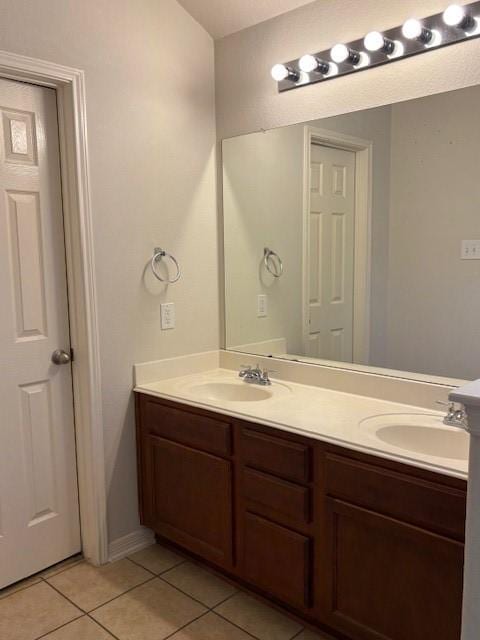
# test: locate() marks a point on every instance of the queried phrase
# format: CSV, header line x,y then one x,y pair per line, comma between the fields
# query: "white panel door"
x,y
39,521
331,244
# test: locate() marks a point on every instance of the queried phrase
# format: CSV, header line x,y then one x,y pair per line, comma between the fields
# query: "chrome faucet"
x,y
255,375
456,415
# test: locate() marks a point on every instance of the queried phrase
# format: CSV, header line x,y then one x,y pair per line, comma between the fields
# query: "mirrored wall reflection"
x,y
357,238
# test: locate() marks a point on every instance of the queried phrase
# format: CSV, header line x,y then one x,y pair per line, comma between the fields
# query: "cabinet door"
x,y
188,498
389,580
276,560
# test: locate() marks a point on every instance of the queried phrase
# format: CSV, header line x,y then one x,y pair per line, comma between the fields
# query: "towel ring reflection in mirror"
x,y
273,262
158,254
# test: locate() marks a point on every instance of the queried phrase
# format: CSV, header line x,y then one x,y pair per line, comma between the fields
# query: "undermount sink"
x,y
234,391
420,433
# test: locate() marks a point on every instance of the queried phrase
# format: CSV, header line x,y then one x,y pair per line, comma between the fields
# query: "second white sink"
x,y
421,433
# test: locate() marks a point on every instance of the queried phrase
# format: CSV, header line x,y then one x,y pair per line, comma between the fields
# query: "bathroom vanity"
x,y
360,544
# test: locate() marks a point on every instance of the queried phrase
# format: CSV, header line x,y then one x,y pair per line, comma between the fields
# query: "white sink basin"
x,y
420,433
235,391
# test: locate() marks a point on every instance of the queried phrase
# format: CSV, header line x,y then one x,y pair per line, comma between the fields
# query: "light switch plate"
x,y
470,250
262,306
167,315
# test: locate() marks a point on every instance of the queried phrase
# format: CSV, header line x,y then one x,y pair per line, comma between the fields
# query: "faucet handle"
x,y
244,370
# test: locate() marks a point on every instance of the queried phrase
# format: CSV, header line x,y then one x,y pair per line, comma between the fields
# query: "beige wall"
x,y
150,104
247,98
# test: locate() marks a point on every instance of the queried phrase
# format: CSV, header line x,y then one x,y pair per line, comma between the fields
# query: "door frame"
x,y
69,84
363,150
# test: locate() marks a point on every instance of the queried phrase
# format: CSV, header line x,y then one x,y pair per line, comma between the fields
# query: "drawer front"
x,y
276,499
284,458
277,560
420,502
180,425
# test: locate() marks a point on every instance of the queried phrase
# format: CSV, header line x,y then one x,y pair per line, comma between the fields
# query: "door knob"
x,y
59,356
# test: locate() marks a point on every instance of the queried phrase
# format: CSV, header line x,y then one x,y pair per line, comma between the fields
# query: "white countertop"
x,y
330,416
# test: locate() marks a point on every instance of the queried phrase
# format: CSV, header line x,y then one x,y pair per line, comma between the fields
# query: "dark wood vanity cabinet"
x,y
366,548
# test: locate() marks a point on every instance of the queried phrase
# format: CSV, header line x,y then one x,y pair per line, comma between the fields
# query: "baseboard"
x,y
130,543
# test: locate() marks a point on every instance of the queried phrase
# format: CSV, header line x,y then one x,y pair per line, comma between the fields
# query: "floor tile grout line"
x,y
37,576
57,573
90,611
156,574
224,600
103,603
27,586
188,594
103,627
59,627
234,624
137,565
186,625
66,597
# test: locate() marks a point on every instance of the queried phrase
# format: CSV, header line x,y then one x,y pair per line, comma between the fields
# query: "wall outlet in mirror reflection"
x,y
262,306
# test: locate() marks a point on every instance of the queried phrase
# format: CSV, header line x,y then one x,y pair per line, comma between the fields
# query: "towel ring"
x,y
158,254
272,259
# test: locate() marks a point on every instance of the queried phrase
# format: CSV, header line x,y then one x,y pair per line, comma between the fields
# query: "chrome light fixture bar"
x,y
456,24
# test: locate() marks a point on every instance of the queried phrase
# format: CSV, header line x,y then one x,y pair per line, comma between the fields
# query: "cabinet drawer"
x,y
180,425
421,502
277,499
277,560
284,458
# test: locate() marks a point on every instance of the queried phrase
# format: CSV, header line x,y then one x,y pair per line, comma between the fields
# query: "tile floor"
x,y
151,595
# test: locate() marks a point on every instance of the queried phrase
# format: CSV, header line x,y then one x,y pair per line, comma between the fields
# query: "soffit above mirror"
x,y
223,17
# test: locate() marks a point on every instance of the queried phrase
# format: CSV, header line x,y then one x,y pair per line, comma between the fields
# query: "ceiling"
x,y
222,17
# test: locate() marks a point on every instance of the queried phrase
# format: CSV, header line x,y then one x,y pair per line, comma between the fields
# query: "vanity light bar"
x,y
456,24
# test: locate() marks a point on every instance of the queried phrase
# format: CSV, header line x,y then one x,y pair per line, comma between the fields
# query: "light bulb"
x,y
375,41
309,63
454,15
341,53
457,16
279,72
414,30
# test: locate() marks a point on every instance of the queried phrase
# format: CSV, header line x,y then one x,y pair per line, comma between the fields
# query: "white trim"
x,y
70,86
363,150
131,543
469,396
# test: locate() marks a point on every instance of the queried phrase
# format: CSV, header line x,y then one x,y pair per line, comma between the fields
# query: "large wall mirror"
x,y
356,238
